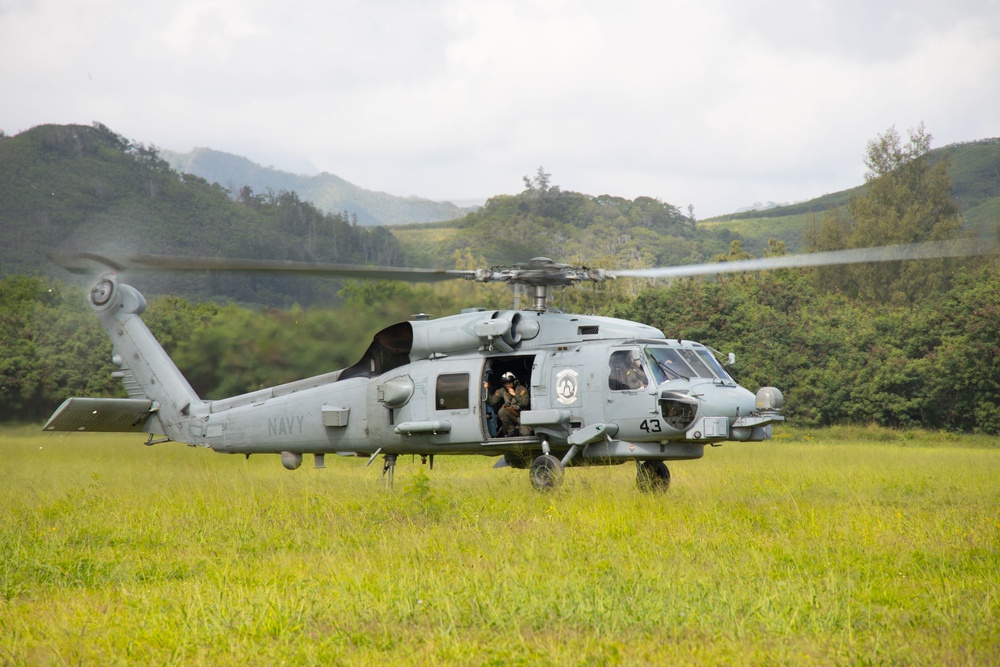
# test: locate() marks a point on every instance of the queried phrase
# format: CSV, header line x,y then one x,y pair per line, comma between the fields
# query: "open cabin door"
x,y
494,368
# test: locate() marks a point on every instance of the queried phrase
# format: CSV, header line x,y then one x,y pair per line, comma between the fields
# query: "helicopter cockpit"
x,y
662,361
685,363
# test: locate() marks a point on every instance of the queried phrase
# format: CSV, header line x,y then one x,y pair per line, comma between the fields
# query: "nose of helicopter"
x,y
731,402
705,411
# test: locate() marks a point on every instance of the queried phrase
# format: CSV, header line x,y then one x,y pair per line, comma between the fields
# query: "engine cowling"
x,y
501,329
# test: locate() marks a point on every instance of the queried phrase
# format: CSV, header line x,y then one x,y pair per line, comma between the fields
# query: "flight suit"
x,y
635,378
512,403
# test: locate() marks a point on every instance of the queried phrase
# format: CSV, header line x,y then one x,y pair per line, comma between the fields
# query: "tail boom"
x,y
160,398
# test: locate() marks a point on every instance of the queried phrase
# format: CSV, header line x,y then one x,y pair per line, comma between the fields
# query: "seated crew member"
x,y
513,397
635,377
626,372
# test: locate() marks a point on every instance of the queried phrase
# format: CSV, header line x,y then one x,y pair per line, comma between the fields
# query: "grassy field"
x,y
842,547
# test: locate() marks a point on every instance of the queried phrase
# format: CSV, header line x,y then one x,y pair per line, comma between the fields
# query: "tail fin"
x,y
144,368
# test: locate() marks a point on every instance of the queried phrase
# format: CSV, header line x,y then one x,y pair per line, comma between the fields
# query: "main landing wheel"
x,y
546,472
653,476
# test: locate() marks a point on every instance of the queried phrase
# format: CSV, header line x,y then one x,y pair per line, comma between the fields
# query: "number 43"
x,y
650,426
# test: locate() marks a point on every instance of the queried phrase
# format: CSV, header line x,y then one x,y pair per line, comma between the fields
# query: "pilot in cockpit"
x,y
635,377
627,373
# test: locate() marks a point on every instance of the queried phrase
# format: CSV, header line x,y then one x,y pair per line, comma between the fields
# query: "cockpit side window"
x,y
671,363
627,372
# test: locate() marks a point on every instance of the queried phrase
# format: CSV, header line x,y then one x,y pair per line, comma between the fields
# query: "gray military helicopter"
x,y
602,391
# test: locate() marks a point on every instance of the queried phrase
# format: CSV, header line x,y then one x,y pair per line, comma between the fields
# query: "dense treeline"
x,y
934,364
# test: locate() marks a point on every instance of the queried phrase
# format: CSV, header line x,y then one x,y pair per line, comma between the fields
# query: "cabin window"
x,y
452,392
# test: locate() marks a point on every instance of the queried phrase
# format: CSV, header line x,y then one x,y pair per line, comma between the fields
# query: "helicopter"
x,y
599,390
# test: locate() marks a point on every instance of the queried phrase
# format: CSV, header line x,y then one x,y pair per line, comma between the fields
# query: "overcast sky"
x,y
717,104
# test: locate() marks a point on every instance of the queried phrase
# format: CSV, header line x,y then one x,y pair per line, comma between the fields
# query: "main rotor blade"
x,y
928,250
88,261
541,275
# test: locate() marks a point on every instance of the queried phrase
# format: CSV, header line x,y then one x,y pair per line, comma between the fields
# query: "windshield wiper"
x,y
668,370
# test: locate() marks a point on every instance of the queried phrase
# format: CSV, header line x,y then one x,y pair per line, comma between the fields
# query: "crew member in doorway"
x,y
513,397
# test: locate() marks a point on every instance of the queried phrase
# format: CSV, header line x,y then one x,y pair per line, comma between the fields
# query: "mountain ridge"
x,y
975,174
326,191
72,188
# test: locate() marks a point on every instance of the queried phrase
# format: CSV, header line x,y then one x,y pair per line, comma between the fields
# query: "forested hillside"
x,y
973,169
79,188
544,220
934,363
326,191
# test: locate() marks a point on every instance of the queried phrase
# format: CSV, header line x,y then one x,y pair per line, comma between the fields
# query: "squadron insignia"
x,y
567,386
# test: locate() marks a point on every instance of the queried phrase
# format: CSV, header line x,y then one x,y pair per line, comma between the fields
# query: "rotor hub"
x,y
541,273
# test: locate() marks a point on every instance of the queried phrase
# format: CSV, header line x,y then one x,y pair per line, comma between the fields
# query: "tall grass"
x,y
857,547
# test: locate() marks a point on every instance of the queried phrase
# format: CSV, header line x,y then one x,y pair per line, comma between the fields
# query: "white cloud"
x,y
718,104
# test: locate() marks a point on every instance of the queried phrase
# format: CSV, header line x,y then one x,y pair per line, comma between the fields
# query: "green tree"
x,y
906,199
540,184
735,254
965,382
51,348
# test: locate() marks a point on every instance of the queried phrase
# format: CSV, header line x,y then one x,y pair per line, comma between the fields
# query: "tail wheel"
x,y
546,472
653,476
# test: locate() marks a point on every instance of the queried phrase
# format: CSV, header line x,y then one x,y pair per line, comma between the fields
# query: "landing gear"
x,y
388,469
652,476
388,466
546,472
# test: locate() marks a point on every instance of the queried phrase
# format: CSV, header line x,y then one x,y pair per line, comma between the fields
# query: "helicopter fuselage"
x,y
602,390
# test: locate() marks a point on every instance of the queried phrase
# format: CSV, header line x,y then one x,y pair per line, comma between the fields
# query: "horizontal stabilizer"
x,y
101,414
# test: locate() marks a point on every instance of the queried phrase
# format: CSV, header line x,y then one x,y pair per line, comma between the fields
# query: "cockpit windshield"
x,y
669,363
695,362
